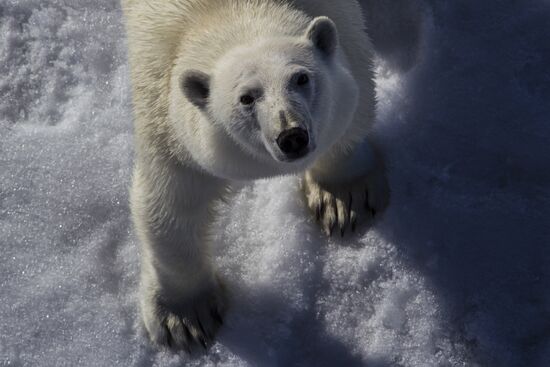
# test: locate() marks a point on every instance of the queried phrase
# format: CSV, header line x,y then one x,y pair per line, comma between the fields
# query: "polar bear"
x,y
228,91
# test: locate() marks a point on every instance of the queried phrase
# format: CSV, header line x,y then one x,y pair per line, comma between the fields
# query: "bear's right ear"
x,y
196,87
323,34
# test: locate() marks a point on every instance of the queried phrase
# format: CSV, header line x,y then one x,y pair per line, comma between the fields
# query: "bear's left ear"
x,y
196,87
324,35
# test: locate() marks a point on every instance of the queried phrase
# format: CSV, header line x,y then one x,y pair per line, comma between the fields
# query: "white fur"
x,y
190,149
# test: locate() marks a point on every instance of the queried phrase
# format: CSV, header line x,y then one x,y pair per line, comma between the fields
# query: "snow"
x,y
456,272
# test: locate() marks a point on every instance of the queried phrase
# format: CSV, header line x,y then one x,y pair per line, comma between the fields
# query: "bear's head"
x,y
283,101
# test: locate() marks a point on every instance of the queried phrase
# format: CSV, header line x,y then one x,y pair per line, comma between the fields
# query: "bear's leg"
x,y
182,301
347,188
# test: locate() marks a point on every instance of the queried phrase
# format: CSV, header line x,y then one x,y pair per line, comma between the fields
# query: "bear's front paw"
x,y
185,323
344,205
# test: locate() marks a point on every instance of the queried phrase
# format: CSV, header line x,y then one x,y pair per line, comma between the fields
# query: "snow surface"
x,y
456,273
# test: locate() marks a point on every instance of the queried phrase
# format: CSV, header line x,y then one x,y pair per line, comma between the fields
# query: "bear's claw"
x,y
185,325
340,204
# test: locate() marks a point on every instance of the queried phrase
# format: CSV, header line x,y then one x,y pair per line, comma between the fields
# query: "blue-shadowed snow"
x,y
456,272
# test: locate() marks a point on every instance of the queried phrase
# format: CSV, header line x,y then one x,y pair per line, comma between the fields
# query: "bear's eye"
x,y
303,79
247,99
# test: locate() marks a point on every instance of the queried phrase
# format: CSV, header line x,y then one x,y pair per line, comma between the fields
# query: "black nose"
x,y
293,142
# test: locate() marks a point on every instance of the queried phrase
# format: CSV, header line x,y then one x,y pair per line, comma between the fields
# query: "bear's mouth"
x,y
294,156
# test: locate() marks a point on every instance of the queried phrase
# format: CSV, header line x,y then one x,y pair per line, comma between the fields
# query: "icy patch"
x,y
46,51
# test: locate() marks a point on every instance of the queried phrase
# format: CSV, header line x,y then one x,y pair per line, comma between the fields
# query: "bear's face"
x,y
283,100
265,94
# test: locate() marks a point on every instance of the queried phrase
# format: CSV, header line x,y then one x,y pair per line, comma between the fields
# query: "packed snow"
x,y
455,273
